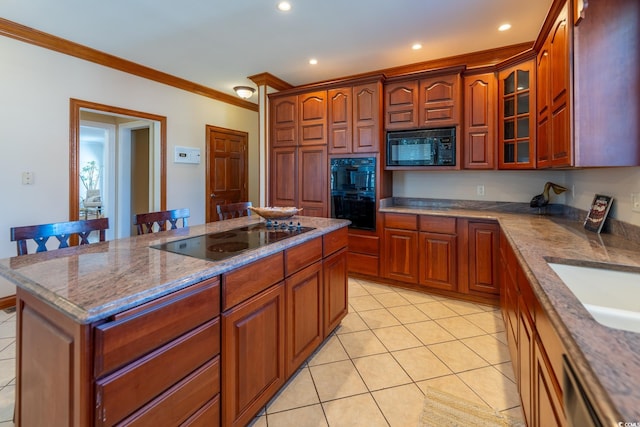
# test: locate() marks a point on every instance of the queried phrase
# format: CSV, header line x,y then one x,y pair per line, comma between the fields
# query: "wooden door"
x,y
483,257
336,297
227,172
480,121
313,187
339,120
401,105
543,105
283,183
253,355
559,93
366,118
401,255
312,119
284,121
437,260
440,101
304,296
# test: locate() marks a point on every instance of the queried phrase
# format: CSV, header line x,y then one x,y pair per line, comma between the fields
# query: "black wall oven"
x,y
353,191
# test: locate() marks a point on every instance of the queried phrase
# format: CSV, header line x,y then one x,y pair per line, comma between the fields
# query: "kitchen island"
x,y
122,333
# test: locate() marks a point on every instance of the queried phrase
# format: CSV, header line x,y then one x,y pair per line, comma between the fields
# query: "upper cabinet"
x,y
516,125
554,144
284,121
312,124
440,101
480,121
401,105
354,118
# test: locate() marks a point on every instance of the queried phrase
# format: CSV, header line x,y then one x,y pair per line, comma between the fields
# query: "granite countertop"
x,y
607,359
91,282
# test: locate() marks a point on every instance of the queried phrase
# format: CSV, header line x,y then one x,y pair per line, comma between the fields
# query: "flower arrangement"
x,y
90,175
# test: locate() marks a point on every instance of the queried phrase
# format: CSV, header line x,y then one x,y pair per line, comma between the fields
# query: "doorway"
x,y
227,173
127,149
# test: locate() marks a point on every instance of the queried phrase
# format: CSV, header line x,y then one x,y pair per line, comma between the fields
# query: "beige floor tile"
x,y
356,290
453,385
457,356
308,416
397,338
416,297
420,363
363,303
375,288
494,388
489,348
501,336
463,307
408,314
507,370
331,351
381,371
429,332
516,413
392,299
401,406
352,322
260,421
355,411
300,391
489,321
460,327
336,380
380,318
363,343
436,310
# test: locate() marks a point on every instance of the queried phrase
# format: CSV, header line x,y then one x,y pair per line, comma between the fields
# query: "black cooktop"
x,y
225,244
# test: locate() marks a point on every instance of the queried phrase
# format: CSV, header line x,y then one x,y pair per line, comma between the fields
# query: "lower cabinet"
x,y
336,298
483,238
253,354
400,247
437,252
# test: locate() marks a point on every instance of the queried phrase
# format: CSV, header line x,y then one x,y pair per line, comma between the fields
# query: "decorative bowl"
x,y
275,212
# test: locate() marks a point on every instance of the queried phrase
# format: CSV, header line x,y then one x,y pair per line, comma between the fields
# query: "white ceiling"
x,y
218,44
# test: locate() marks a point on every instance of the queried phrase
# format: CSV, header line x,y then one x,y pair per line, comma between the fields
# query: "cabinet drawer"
x,y
177,404
302,255
123,392
438,224
245,282
402,221
335,241
122,341
363,264
207,416
369,245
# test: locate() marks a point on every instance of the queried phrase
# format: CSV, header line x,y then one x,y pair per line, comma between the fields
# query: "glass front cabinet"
x,y
516,135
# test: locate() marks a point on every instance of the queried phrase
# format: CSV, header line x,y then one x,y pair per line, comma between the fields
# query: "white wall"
x,y
35,87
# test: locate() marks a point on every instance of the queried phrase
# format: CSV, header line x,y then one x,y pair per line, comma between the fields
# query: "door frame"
x,y
209,129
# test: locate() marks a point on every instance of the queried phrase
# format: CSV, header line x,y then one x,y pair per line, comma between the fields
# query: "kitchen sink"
x,y
611,296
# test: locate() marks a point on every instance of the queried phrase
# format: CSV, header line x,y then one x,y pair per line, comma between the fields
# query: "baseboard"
x,y
6,302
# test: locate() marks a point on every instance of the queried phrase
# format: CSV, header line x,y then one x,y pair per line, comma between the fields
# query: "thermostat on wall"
x,y
187,155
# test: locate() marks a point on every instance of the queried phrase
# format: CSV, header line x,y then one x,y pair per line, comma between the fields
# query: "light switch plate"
x,y
187,155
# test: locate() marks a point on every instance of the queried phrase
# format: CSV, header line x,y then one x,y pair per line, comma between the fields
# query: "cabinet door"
x,y
284,121
336,296
312,180
559,73
480,119
312,122
253,355
401,105
437,261
366,118
525,361
304,315
283,176
516,125
440,101
339,120
401,255
484,244
543,105
548,406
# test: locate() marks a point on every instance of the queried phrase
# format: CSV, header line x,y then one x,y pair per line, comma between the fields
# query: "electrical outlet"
x,y
635,202
27,178
480,190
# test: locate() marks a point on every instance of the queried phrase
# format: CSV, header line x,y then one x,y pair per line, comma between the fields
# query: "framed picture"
x,y
598,213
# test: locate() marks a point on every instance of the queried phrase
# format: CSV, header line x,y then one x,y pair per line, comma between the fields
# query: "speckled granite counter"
x,y
608,360
92,282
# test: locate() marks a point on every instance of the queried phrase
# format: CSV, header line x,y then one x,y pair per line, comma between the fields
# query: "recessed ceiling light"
x,y
284,6
313,61
504,27
416,46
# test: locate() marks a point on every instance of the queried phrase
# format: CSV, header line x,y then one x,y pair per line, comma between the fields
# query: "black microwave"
x,y
424,147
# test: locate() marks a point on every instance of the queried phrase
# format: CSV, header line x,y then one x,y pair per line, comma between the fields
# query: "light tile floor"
x,y
392,345
373,369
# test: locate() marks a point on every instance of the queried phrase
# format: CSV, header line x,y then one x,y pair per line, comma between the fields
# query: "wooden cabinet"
x,y
312,122
336,297
364,254
401,247
554,144
437,252
516,117
284,121
284,169
312,180
526,342
440,101
401,101
253,354
479,135
483,243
